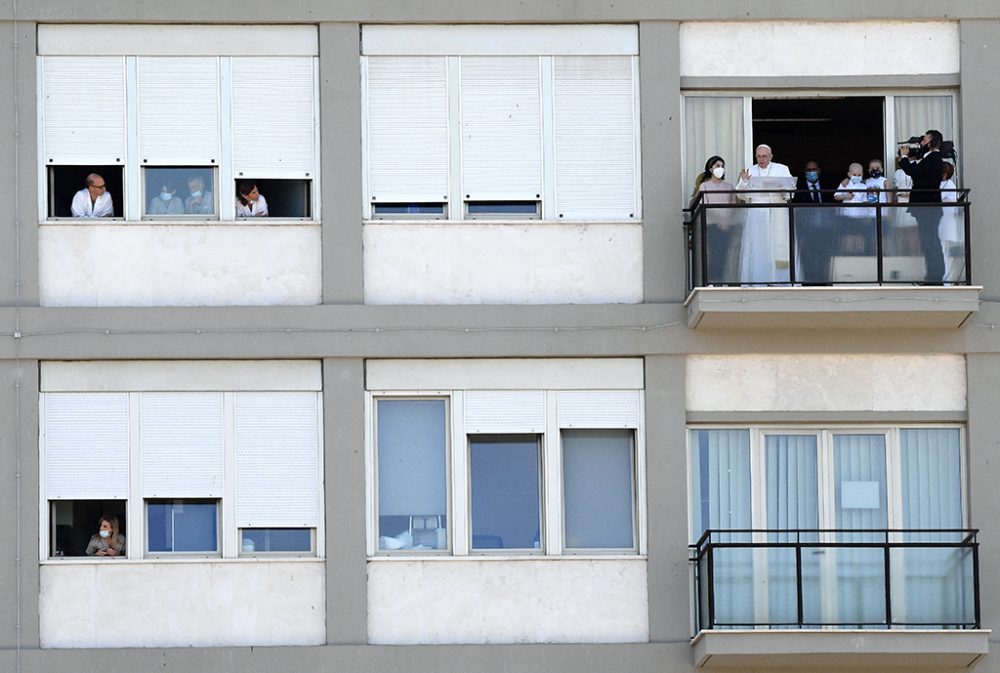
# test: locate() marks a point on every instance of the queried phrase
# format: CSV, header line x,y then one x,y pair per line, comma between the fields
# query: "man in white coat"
x,y
93,200
764,253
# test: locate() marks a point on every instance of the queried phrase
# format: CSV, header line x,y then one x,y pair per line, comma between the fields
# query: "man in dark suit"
x,y
814,230
927,175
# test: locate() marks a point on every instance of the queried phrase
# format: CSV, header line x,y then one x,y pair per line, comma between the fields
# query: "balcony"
x,y
837,597
777,263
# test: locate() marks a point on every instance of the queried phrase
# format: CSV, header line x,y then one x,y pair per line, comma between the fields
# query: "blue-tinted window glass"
x,y
597,488
430,209
182,525
502,207
506,508
255,540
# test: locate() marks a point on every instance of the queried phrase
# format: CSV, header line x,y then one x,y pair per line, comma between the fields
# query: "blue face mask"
x,y
195,195
166,196
812,176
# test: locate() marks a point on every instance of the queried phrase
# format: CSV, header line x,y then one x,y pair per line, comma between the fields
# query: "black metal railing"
x,y
775,240
836,578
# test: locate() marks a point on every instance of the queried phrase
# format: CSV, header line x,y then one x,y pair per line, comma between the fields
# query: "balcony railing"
x,y
848,579
775,241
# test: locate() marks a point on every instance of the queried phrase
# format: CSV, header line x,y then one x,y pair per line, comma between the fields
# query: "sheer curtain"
x,y
860,483
915,115
713,125
938,585
720,493
792,502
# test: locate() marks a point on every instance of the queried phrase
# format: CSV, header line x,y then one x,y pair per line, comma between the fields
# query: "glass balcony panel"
x,y
732,575
932,587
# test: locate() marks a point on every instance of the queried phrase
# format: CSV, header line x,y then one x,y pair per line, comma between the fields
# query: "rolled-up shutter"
x,y
504,411
85,446
501,128
274,120
595,137
178,110
83,110
597,409
277,459
181,443
407,120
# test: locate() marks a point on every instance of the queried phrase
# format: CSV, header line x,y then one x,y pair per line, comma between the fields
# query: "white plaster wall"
x,y
163,265
508,601
790,48
416,263
933,382
182,604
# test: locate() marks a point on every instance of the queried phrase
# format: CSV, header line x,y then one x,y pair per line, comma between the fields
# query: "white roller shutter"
x,y
595,137
277,460
407,120
599,409
273,111
181,443
501,128
85,445
504,411
83,110
178,110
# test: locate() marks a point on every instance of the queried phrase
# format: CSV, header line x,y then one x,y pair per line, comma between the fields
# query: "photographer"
x,y
926,174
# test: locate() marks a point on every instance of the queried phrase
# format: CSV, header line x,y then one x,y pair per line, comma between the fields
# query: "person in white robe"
x,y
93,200
764,254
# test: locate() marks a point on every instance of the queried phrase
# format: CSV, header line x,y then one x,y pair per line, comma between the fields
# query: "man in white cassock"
x,y
764,254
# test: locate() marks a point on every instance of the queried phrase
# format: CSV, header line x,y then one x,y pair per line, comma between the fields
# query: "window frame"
x,y
206,554
136,504
552,515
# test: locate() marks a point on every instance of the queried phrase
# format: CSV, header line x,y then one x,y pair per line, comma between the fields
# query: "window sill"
x,y
840,648
503,222
78,560
250,222
492,558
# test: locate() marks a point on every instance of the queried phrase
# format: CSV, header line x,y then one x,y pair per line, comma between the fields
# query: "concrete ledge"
x,y
840,649
831,307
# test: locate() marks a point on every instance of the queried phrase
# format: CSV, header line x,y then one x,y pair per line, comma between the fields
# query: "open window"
x,y
74,522
285,198
64,182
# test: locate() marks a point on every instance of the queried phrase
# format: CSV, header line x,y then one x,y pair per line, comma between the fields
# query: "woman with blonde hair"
x,y
107,541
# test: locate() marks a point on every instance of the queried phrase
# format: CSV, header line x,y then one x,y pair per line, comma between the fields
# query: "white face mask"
x,y
105,533
196,194
855,179
719,171
166,196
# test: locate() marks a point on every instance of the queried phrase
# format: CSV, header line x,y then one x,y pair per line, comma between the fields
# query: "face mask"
x,y
105,533
812,176
876,172
196,194
855,179
718,171
872,197
166,196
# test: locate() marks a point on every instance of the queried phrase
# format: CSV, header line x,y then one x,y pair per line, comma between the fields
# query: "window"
x,y
204,473
537,472
466,124
152,123
839,486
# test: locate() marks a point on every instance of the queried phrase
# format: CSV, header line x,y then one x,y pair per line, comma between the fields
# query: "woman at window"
x,y
166,203
249,201
107,541
718,221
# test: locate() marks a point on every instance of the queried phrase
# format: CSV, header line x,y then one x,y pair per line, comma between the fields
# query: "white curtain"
x,y
792,503
860,482
938,581
720,492
915,115
713,125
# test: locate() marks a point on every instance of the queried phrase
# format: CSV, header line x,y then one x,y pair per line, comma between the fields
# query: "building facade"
x,y
470,397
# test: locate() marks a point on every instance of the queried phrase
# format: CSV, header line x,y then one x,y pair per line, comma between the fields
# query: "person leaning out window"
x,y
107,541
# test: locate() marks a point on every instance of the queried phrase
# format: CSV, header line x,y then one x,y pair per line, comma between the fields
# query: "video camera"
x,y
917,150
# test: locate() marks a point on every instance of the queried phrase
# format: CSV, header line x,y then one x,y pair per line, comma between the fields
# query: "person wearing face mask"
x,y
165,202
878,182
200,201
714,190
765,249
814,228
107,541
857,223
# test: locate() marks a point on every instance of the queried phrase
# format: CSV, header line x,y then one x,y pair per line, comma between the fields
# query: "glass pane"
x,y
764,244
903,260
860,582
182,525
506,509
496,208
428,209
75,525
598,488
720,481
412,498
179,190
931,480
733,579
256,540
937,589
817,242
